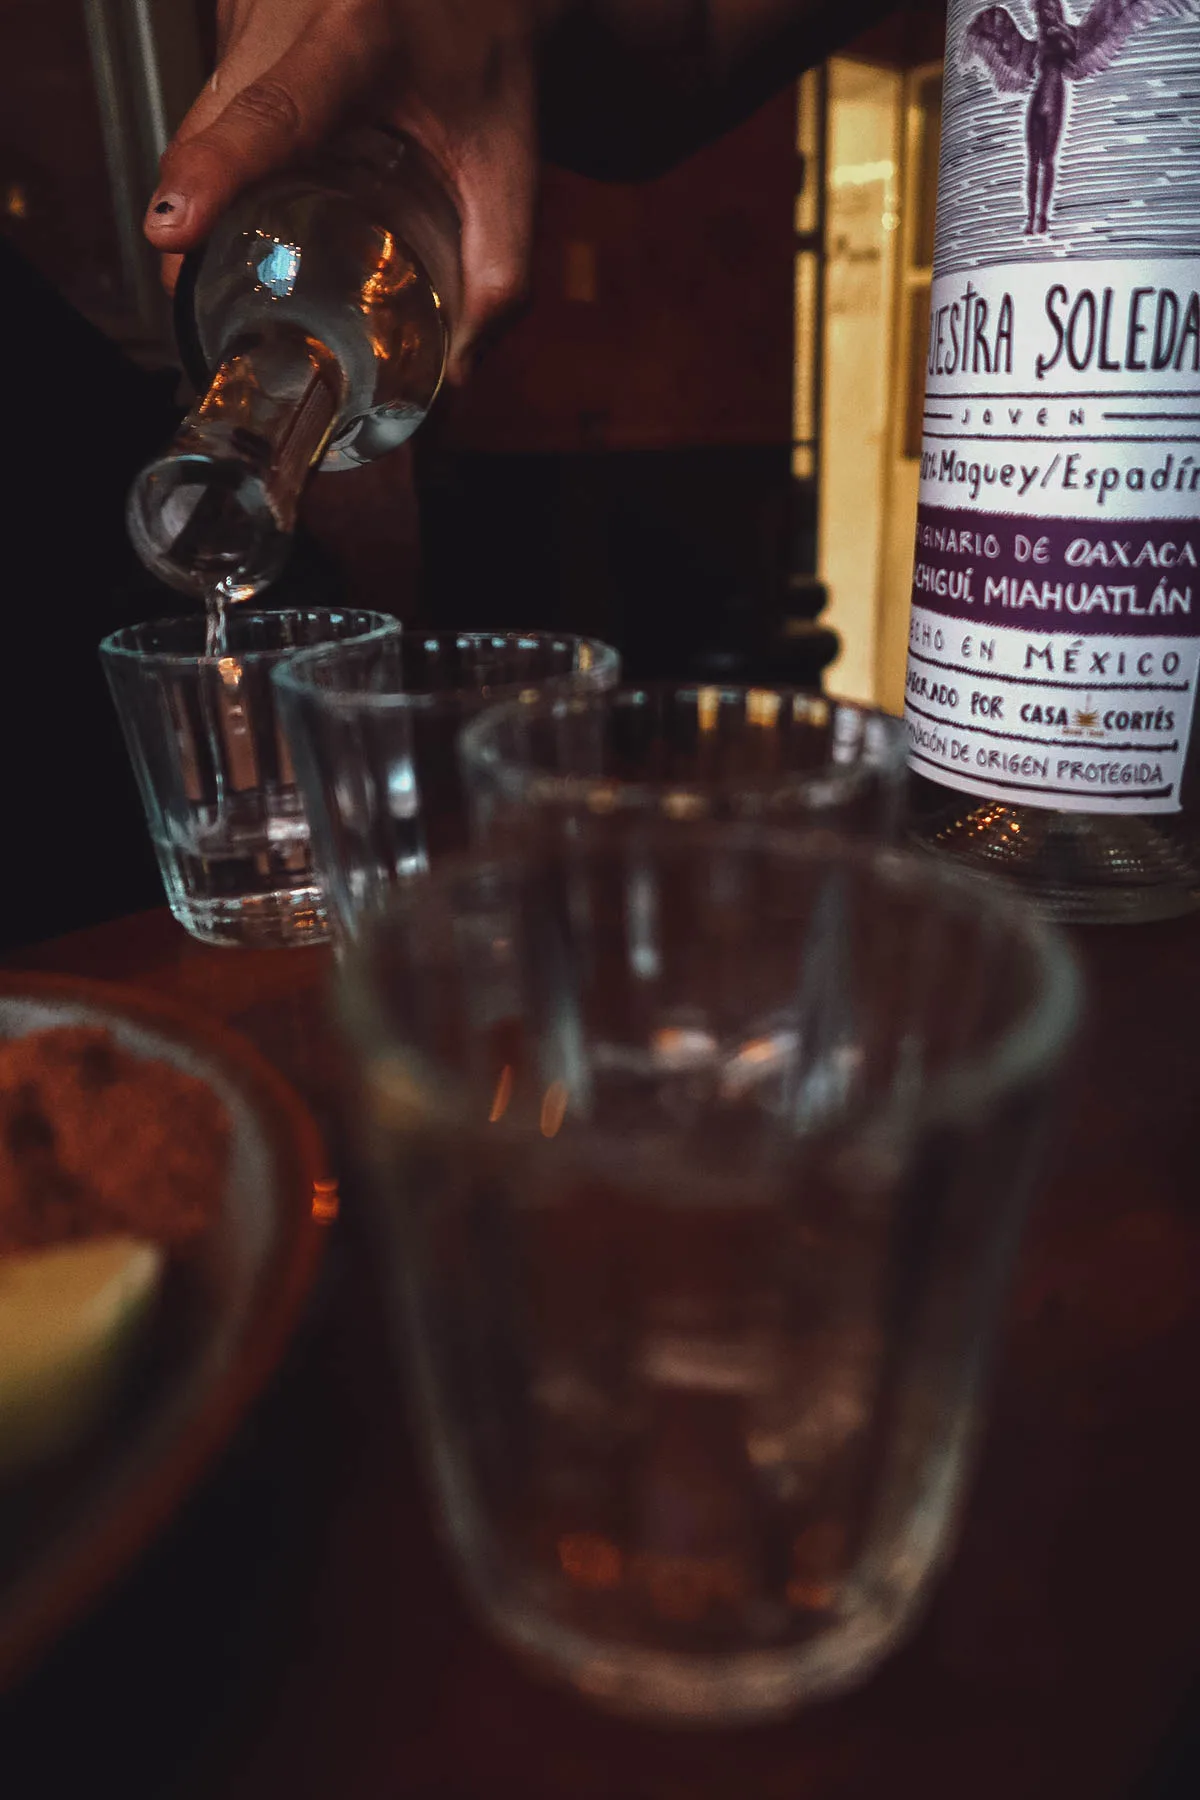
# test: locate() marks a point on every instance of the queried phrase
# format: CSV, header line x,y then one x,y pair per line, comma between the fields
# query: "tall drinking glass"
x,y
215,774
700,1155
373,730
687,753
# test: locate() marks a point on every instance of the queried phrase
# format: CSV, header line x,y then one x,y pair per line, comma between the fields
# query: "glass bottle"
x,y
315,325
1053,649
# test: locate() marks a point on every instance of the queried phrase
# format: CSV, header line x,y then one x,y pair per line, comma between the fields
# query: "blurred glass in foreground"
x,y
700,1155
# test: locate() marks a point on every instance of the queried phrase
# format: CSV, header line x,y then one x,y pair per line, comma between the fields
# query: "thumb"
x,y
267,122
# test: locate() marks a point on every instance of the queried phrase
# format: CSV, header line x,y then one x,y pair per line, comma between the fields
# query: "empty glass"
x,y
373,729
700,1154
687,753
214,771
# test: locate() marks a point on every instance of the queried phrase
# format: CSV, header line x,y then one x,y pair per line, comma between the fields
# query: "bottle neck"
x,y
213,516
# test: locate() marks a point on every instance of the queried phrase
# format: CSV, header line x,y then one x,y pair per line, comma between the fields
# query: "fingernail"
x,y
167,209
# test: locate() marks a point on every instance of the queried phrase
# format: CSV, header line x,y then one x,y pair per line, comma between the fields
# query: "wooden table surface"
x,y
296,1634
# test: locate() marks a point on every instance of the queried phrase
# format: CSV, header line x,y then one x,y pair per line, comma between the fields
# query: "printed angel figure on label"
x,y
1062,50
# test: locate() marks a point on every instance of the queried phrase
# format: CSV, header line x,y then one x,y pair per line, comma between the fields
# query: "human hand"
x,y
456,75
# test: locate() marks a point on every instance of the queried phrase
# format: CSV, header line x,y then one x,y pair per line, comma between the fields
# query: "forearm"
x,y
631,87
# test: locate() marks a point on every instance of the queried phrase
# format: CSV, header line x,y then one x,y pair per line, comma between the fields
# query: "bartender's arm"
x,y
612,88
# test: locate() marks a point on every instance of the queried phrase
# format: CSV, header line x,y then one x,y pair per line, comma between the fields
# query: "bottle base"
x,y
1077,868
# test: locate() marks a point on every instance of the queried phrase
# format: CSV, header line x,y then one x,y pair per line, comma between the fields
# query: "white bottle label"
x,y
1055,638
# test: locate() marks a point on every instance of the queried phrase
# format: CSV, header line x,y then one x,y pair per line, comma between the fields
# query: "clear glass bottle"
x,y
1054,648
315,325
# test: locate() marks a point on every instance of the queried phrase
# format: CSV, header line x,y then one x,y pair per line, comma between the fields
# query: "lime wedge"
x,y
69,1317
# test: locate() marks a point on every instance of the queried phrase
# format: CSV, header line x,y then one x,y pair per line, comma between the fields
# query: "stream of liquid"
x,y
238,865
215,643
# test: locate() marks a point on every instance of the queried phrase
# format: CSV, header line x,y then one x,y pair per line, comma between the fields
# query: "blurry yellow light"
x,y
683,805
762,707
708,707
603,799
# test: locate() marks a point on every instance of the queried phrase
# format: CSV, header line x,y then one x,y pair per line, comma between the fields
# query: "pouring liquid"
x,y
215,643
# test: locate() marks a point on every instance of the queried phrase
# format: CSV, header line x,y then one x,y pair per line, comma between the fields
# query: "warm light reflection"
x,y
502,1096
708,708
230,671
684,805
809,711
326,1202
814,1596
381,280
754,1058
554,1109
862,174
603,798
231,393
590,1560
762,707
681,1047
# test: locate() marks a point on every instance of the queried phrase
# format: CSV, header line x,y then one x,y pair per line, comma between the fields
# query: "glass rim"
x,y
295,676
524,779
116,648
1033,1042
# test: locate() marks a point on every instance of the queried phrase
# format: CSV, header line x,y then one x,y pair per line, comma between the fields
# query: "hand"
x,y
457,75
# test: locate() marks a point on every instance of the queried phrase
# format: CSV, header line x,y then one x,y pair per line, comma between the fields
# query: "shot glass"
x,y
699,1160
373,729
687,753
215,773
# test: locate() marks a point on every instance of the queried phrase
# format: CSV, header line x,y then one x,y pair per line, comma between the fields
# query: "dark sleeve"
x,y
78,418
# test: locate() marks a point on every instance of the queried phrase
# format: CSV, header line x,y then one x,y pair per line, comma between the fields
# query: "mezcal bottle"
x,y
1055,627
315,325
